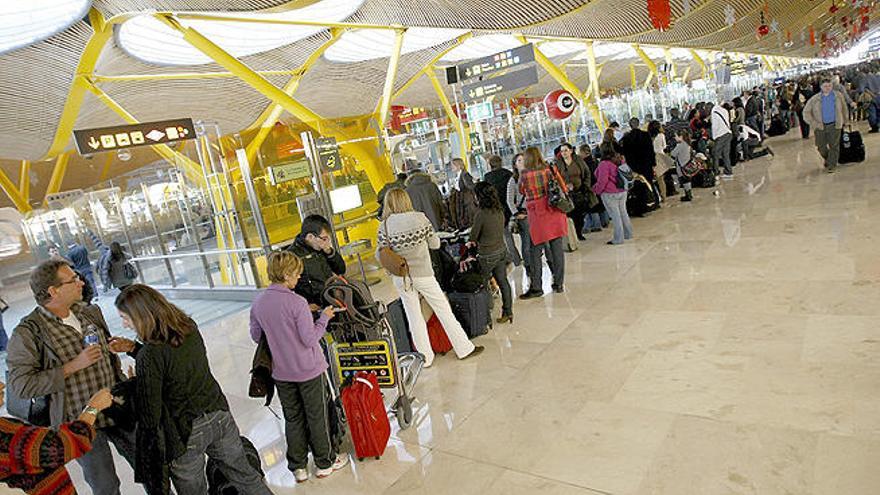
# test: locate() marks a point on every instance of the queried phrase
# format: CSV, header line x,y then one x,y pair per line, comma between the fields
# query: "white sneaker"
x,y
301,475
341,462
727,176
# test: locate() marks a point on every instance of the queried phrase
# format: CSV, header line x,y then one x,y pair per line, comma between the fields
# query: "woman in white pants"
x,y
409,233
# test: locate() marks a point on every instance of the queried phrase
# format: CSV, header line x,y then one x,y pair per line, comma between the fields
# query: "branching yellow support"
x,y
105,170
390,77
464,141
76,94
273,112
430,65
699,60
652,67
57,175
632,76
20,202
24,180
378,176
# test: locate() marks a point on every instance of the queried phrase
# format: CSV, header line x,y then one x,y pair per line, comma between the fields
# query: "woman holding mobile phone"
x,y
298,366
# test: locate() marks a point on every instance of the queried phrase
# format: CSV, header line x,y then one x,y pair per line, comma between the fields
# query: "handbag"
x,y
390,260
556,195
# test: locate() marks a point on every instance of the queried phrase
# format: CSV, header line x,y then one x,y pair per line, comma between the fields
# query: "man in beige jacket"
x,y
826,112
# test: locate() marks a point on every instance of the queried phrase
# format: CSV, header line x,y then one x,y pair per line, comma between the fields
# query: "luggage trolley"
x,y
362,340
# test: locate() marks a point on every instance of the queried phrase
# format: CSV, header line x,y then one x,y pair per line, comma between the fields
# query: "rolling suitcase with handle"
x,y
472,310
852,148
367,418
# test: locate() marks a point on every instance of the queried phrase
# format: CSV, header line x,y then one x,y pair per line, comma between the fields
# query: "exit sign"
x,y
100,139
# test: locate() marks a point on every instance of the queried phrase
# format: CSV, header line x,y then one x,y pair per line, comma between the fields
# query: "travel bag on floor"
x,y
367,418
440,343
472,311
399,326
852,148
571,240
641,199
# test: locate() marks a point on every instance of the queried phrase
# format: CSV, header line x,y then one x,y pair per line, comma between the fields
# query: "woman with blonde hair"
x,y
182,414
548,226
298,366
409,234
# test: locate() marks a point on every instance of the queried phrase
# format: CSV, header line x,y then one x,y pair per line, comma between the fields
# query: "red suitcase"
x,y
440,343
367,419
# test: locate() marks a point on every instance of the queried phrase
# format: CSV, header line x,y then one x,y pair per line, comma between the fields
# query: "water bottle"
x,y
90,336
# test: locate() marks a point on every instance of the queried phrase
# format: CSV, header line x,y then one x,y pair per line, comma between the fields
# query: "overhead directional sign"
x,y
505,82
100,139
520,55
328,153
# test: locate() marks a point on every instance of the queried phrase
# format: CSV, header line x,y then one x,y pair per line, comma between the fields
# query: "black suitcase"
x,y
218,483
852,148
399,326
640,199
704,178
472,310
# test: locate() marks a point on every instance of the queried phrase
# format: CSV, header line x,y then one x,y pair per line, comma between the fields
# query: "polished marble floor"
x,y
732,348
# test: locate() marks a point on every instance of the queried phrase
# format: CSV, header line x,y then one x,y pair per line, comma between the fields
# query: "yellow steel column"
x,y
273,112
191,168
378,176
699,60
592,71
430,65
687,72
632,76
87,62
464,141
390,77
21,203
24,180
652,67
57,174
767,63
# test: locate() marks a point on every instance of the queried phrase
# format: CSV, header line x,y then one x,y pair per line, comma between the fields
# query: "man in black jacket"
x,y
314,246
638,148
426,196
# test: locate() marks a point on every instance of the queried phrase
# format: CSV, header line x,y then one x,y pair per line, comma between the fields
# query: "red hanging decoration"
x,y
834,8
763,28
660,13
812,36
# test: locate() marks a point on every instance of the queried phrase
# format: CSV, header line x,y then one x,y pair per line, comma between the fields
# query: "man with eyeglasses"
x,y
314,246
48,357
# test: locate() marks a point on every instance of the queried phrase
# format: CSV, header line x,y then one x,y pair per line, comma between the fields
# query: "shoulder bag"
x,y
34,410
390,260
556,194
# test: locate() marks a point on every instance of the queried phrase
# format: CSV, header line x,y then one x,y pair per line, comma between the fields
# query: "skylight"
x,y
23,23
150,40
481,46
357,46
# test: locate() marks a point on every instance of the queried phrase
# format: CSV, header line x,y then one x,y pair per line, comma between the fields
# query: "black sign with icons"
x,y
520,55
373,357
328,153
89,141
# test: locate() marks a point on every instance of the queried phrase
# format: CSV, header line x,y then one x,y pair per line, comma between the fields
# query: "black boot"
x,y
688,196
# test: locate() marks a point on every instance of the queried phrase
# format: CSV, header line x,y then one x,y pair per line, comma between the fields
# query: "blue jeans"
x,y
874,113
97,464
596,220
615,204
217,435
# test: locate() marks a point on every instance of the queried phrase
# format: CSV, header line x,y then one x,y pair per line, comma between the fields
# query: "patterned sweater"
x,y
410,235
33,458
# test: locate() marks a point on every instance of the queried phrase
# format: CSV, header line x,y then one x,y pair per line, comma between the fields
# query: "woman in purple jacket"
x,y
298,366
612,196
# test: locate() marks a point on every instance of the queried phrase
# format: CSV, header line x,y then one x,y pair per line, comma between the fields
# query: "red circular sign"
x,y
560,104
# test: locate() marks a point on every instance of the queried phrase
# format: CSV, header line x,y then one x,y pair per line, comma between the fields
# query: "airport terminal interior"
x,y
728,343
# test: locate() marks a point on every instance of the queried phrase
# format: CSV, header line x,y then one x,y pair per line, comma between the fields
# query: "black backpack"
x,y
362,313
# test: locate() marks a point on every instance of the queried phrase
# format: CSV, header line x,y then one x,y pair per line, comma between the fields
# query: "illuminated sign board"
x,y
100,139
328,153
289,171
520,55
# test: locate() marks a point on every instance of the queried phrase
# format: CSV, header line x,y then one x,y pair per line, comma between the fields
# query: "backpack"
x,y
129,271
625,177
218,483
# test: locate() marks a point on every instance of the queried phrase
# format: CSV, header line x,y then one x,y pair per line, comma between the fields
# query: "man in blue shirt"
x,y
826,112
